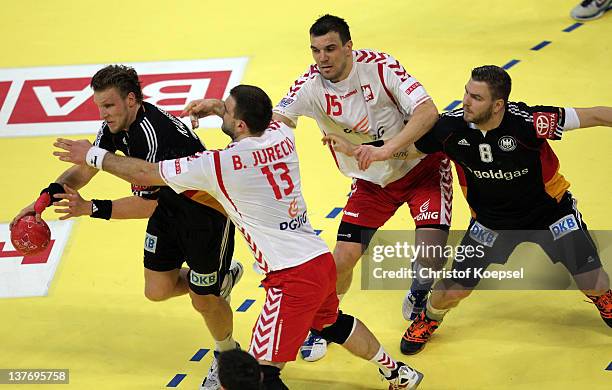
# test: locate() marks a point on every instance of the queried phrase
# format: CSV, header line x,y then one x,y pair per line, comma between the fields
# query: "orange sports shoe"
x,y
417,334
604,305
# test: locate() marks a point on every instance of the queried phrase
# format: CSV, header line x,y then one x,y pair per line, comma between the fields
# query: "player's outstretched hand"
x,y
200,108
73,205
75,151
340,144
367,154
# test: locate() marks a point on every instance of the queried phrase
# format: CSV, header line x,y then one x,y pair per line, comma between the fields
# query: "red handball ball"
x,y
29,236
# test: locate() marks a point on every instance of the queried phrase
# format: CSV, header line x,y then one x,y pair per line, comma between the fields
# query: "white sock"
x,y
433,313
226,345
385,362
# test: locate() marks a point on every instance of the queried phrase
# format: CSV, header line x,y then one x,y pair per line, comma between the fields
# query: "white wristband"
x,y
571,119
95,156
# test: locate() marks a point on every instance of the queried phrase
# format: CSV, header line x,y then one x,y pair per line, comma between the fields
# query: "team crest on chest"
x,y
507,143
367,92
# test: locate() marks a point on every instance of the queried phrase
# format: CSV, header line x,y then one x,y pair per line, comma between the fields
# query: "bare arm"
x,y
595,116
130,169
281,118
132,207
410,153
133,170
422,120
77,176
342,145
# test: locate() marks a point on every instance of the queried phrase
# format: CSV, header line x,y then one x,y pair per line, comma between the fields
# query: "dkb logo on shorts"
x,y
150,243
483,235
203,280
563,226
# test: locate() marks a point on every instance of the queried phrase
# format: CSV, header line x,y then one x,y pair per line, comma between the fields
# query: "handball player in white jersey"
x,y
256,178
368,97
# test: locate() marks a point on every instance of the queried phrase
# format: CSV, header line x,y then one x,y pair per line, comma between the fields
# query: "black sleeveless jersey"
x,y
509,175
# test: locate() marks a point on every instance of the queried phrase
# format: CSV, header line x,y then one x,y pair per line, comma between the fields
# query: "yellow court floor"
x,y
95,320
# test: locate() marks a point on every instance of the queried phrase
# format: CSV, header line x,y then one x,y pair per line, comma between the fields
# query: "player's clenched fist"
x,y
203,107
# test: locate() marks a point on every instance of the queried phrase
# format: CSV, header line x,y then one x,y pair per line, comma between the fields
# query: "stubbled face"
x,y
118,112
229,122
334,59
478,104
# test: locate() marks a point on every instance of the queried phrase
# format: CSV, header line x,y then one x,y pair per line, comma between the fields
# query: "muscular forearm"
x,y
408,154
218,107
133,207
77,176
423,119
133,170
595,116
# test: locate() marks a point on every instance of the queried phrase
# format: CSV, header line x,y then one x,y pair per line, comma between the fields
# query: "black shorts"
x,y
561,234
182,230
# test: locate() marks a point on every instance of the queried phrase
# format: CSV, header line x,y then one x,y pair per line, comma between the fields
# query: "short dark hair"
x,y
253,106
122,77
498,80
327,23
239,371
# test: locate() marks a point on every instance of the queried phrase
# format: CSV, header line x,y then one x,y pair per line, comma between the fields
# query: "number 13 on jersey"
x,y
282,171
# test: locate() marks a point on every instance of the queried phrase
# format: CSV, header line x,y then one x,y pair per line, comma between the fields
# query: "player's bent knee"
x,y
206,303
457,295
157,294
339,331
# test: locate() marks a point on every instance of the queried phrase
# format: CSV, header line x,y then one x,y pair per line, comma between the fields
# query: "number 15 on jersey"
x,y
334,107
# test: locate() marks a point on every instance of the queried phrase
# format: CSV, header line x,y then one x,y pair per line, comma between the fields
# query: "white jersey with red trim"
x,y
374,102
257,180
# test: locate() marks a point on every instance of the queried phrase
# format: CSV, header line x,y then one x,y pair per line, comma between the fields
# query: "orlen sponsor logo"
x,y
499,174
424,214
294,223
58,100
293,210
